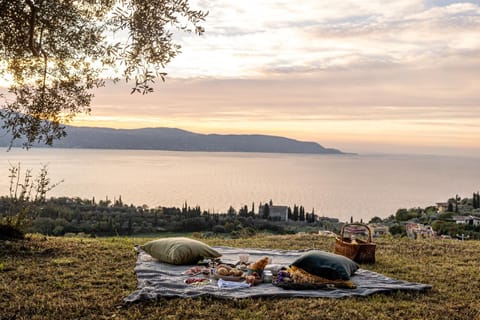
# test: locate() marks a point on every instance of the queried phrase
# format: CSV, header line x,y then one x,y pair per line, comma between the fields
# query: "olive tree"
x,y
54,52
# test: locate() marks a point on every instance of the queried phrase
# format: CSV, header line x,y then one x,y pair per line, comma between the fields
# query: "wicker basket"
x,y
359,251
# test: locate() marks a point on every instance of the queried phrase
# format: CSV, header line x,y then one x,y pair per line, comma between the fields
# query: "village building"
x,y
379,230
442,207
277,213
419,231
470,220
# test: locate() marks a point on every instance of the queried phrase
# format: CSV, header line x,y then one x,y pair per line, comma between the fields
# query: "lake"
x,y
340,186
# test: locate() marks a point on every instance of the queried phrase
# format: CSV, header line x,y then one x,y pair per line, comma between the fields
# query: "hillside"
x,y
178,140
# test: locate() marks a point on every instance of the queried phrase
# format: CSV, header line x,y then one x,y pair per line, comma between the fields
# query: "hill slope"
x,y
179,140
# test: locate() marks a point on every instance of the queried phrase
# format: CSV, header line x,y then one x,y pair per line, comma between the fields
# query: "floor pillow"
x,y
326,265
179,250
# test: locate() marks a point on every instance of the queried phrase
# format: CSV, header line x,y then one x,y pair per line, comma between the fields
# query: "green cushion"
x,y
326,265
179,250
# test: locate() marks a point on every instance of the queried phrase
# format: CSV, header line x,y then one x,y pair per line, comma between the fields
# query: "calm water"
x,y
336,186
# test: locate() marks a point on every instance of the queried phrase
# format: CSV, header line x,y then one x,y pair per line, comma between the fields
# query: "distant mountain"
x,y
178,140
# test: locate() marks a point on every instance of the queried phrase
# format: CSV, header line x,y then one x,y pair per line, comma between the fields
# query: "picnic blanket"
x,y
156,280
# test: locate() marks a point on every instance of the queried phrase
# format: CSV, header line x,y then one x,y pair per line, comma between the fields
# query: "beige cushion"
x,y
179,250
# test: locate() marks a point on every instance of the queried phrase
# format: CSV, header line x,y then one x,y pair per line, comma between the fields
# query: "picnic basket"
x,y
361,251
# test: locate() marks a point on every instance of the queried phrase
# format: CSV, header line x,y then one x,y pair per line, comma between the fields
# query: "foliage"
x,y
375,220
82,278
59,216
398,229
405,215
55,52
442,222
25,191
10,231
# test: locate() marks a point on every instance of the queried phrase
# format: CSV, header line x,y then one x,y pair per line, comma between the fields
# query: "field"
x,y
82,278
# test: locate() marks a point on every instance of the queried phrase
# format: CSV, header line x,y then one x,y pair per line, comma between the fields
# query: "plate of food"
x,y
228,273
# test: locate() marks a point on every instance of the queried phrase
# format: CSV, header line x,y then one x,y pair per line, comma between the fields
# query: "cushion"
x,y
326,265
179,250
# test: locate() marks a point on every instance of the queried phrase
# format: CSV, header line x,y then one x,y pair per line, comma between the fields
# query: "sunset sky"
x,y
362,76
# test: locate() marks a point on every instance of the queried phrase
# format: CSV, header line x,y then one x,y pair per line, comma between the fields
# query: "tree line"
x,y
64,215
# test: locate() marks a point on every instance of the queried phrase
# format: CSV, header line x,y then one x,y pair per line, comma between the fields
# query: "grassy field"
x,y
74,278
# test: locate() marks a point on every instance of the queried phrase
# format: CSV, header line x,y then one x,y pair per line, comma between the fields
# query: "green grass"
x,y
82,278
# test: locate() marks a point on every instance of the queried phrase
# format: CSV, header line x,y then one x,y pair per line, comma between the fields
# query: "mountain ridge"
x,y
175,139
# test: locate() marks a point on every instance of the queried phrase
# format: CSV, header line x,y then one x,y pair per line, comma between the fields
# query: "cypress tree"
x,y
266,211
130,226
295,213
450,206
476,200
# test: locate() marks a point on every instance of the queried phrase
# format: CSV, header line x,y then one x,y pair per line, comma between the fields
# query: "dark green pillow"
x,y
179,251
326,265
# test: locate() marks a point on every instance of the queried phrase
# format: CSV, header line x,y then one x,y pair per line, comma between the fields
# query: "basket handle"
x,y
360,225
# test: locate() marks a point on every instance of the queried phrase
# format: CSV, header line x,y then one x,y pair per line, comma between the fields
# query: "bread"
x,y
260,264
223,271
236,272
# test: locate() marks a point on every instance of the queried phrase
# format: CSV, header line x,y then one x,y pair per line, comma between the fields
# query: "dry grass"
x,y
69,278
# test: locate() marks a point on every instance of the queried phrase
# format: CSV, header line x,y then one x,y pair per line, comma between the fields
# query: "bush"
x,y
9,232
219,229
26,192
397,229
235,234
247,232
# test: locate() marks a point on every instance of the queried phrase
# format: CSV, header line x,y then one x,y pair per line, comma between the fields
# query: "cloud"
x,y
243,38
386,94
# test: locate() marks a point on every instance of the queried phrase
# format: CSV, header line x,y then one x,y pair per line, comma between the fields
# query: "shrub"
x,y
247,232
219,229
25,191
8,231
235,234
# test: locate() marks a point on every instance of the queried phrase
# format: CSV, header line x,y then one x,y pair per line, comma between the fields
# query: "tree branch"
x,y
31,31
